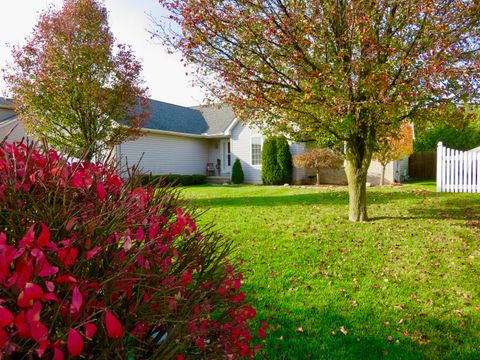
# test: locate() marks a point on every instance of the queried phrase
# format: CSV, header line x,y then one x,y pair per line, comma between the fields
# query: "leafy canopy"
x,y
318,158
73,86
396,146
343,71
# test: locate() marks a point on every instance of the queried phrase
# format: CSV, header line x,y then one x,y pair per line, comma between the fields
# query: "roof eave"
x,y
174,133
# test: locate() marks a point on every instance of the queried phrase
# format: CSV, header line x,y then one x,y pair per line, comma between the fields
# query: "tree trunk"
x,y
318,176
382,178
358,158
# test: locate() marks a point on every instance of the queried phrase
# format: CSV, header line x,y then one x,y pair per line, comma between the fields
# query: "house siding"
x,y
166,154
241,149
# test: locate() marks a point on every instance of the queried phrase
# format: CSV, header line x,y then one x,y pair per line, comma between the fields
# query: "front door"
x,y
226,157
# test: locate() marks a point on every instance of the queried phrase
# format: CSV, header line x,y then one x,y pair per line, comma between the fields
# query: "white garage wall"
x,y
166,154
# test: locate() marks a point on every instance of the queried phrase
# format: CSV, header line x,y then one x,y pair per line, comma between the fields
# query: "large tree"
x,y
343,70
73,86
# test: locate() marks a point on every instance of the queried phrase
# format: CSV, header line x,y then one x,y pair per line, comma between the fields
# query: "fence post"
x,y
439,167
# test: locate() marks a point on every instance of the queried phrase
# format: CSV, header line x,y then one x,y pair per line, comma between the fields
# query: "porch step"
x,y
218,180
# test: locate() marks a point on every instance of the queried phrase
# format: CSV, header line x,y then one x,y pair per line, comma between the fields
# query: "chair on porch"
x,y
210,169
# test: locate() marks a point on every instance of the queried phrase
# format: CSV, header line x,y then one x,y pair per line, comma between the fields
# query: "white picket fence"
x,y
457,171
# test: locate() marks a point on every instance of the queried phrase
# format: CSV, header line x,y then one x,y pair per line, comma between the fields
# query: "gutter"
x,y
196,136
8,121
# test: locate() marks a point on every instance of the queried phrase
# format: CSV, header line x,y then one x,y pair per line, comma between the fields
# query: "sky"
x,y
163,73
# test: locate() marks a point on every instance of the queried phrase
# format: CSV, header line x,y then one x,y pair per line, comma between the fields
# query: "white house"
x,y
202,140
9,125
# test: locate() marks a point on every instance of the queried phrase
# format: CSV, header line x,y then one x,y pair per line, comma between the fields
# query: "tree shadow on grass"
x,y
312,334
324,198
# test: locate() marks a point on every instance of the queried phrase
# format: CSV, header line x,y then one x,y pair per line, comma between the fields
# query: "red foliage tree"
x,y
348,71
71,87
394,147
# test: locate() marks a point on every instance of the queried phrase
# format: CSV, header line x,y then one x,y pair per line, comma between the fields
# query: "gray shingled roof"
x,y
196,120
6,114
218,117
169,117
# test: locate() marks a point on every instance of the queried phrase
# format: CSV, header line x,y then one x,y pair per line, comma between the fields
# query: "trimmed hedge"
x,y
284,159
172,179
237,172
276,161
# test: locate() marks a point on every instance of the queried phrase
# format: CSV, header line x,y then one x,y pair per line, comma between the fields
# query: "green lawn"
x,y
404,286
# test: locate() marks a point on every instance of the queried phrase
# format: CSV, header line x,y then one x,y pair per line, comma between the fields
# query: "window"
x,y
228,154
256,150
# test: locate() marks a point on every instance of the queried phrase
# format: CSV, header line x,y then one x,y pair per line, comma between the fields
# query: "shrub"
x,y
271,171
276,161
237,172
171,179
284,159
318,159
91,266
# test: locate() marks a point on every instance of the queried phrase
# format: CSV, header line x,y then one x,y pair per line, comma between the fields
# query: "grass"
x,y
405,285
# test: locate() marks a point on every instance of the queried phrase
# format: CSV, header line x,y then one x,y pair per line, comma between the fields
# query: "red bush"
x,y
92,265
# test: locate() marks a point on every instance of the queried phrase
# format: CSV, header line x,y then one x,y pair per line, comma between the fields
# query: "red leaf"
x,y
66,279
237,284
3,338
30,293
44,237
140,234
77,299
6,317
102,194
39,331
27,240
75,343
47,269
261,333
68,256
186,278
58,354
114,327
90,330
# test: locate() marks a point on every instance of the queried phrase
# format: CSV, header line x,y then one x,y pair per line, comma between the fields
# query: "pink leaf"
x,y
77,299
114,327
75,343
50,286
93,252
47,269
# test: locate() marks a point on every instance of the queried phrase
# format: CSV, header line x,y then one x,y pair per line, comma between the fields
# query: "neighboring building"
x,y
201,140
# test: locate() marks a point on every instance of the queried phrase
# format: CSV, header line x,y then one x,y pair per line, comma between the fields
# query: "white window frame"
x,y
251,149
